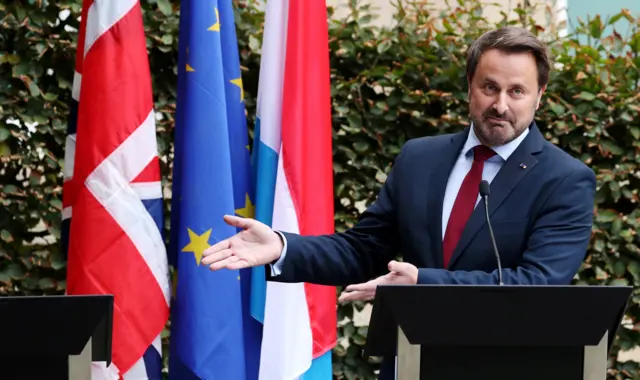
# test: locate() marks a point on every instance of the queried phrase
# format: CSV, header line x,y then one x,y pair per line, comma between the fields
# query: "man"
x,y
541,202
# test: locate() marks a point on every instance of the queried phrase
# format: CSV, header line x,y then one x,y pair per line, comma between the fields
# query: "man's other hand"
x,y
256,245
400,273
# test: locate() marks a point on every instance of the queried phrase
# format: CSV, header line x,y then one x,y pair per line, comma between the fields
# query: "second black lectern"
x,y
496,332
54,337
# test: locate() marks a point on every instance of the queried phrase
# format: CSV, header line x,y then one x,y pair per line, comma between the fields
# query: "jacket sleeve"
x,y
353,256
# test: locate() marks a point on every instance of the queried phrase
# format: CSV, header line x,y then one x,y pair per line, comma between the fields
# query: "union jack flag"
x,y
112,217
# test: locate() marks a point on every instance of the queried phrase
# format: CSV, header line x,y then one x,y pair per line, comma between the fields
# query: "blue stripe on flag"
x,y
252,329
72,124
155,208
152,358
153,363
266,161
321,368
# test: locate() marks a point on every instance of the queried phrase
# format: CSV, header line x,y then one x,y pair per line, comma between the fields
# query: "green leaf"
x,y
20,69
619,282
619,268
4,149
53,230
14,271
56,203
167,39
635,132
557,108
634,269
46,283
50,96
33,88
9,189
359,340
349,330
598,245
586,95
254,43
355,121
6,236
595,26
4,133
165,7
339,350
606,215
612,147
361,146
57,262
616,225
601,274
383,46
41,119
615,18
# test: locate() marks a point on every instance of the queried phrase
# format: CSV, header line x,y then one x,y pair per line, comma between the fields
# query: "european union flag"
x,y
212,333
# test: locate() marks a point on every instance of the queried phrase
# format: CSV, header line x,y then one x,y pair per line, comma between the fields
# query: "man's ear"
x,y
540,93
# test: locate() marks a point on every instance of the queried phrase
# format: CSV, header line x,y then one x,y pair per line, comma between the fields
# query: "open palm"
x,y
255,245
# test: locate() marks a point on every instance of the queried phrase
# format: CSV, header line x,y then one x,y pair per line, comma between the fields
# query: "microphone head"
x,y
485,190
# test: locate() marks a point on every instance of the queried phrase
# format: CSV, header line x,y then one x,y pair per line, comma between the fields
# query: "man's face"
x,y
503,96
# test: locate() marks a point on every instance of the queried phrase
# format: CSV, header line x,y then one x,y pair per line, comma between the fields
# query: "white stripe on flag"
x,y
102,15
287,343
69,156
269,108
110,184
75,89
147,190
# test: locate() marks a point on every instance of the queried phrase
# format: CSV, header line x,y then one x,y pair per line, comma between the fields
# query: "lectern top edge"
x,y
507,315
57,325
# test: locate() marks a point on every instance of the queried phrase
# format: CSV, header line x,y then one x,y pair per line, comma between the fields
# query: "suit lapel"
x,y
514,169
447,157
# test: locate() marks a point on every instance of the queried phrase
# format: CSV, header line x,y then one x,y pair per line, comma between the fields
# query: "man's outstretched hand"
x,y
400,273
256,245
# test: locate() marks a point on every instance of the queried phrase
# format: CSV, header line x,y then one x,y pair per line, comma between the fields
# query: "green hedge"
x,y
388,85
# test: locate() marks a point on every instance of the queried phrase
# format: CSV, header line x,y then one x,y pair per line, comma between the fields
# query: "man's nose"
x,y
500,106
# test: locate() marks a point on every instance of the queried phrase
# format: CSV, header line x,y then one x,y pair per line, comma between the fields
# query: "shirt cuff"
x,y
276,268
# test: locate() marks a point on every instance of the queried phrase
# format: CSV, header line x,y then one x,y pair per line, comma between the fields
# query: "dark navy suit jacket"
x,y
541,209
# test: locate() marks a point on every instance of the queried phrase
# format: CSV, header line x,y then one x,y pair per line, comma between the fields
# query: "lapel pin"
x,y
523,166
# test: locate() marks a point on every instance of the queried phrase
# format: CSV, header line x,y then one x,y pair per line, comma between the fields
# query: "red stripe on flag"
x,y
69,192
151,173
115,99
82,33
307,151
116,92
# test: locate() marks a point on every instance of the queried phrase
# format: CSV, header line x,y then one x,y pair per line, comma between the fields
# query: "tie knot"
x,y
482,153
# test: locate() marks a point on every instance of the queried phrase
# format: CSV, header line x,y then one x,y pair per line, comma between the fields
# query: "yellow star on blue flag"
x,y
213,335
197,244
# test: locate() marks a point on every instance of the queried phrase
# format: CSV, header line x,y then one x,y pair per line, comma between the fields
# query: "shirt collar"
x,y
504,151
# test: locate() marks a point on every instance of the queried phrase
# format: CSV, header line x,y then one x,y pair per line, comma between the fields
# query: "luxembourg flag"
x,y
294,185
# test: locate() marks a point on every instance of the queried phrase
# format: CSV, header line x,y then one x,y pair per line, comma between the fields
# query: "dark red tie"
x,y
465,202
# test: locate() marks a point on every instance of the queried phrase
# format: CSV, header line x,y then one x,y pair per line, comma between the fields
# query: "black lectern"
x,y
54,337
496,332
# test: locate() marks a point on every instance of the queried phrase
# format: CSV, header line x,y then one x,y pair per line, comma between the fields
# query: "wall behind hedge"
x,y
388,85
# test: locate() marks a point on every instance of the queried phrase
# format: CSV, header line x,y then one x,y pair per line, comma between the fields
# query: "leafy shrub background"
x,y
388,85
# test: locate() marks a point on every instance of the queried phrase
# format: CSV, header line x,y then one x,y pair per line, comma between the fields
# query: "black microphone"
x,y
485,190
